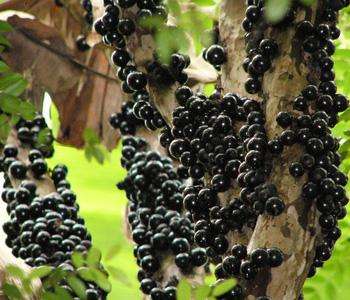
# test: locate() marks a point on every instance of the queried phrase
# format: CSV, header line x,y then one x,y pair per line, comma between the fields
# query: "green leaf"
x,y
4,41
27,285
345,147
77,285
112,252
4,132
88,152
5,26
40,272
183,290
14,120
93,148
4,67
27,110
55,277
276,10
202,292
174,7
97,276
17,88
223,287
12,84
9,104
44,137
93,257
152,22
119,275
11,291
98,152
86,273
78,259
62,293
167,42
49,296
101,280
15,271
345,116
90,136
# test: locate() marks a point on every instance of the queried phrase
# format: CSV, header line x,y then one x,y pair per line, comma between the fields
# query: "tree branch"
x,y
294,231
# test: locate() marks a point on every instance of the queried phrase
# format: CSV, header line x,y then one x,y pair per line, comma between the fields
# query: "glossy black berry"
x,y
136,80
18,170
216,55
38,167
296,169
274,206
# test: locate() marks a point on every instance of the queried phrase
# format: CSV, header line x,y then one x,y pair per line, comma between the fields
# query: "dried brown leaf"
x,y
84,91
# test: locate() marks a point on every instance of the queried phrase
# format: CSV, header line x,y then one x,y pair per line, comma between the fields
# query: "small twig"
x,y
64,55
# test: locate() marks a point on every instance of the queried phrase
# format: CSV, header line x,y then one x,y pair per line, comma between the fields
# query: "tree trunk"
x,y
294,231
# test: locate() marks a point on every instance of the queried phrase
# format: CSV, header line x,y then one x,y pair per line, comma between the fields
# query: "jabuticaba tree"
x,y
265,192
301,104
160,228
44,226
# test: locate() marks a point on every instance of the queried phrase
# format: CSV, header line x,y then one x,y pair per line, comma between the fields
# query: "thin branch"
x,y
64,55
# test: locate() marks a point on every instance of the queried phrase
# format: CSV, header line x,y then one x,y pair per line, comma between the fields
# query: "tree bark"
x,y
142,46
294,231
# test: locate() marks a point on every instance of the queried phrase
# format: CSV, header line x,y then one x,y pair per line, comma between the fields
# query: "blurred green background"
x,y
102,206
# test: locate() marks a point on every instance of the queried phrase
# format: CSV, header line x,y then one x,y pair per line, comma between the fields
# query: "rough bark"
x,y
142,46
294,231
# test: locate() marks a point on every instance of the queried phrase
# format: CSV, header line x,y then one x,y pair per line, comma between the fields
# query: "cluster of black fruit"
x,y
315,112
260,50
81,42
159,228
35,134
239,262
203,139
125,120
115,28
42,230
89,17
200,127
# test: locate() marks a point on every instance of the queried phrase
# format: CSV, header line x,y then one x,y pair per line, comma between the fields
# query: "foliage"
x,y
12,86
192,19
202,292
277,9
87,268
93,147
